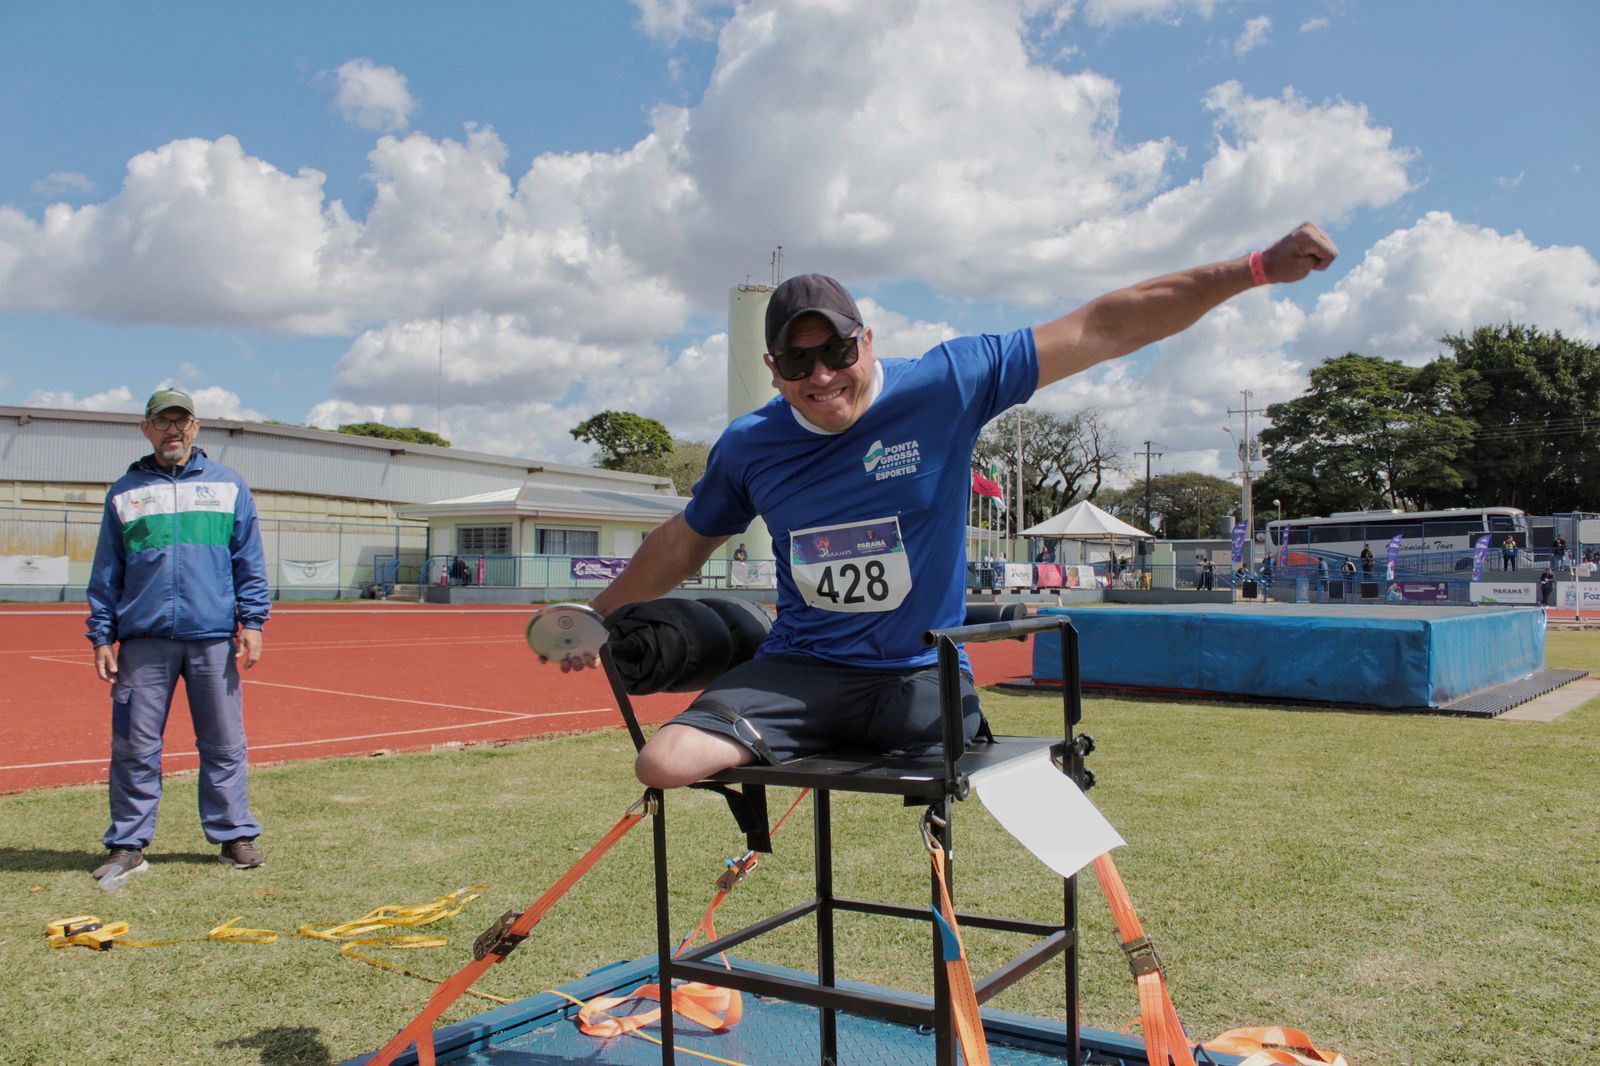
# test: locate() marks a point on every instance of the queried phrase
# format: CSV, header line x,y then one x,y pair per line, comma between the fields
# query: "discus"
x,y
563,630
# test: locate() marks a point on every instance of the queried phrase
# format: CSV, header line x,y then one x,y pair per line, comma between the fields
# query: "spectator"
x,y
1547,585
1322,576
740,554
178,589
1349,575
1366,558
1508,552
459,574
1208,575
1558,553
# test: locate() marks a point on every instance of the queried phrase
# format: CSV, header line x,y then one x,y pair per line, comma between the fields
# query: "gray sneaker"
x,y
120,862
242,854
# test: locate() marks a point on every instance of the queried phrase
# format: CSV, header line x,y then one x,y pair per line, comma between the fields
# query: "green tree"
x,y
1190,505
1064,460
408,434
626,440
1535,400
1368,433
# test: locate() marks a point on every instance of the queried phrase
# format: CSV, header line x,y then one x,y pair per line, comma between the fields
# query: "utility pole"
x,y
1247,452
438,391
1148,455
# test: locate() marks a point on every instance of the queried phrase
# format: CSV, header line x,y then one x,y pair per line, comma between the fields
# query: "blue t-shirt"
x,y
869,526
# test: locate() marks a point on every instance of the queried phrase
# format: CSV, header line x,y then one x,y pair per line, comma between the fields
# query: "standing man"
x,y
178,589
1366,558
852,446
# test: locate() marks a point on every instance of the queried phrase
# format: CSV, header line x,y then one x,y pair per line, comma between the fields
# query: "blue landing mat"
x,y
539,1031
1375,657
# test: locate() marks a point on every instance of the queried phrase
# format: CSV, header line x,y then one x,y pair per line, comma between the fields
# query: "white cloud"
x,y
1437,277
214,401
1512,182
62,183
1443,276
119,398
560,279
669,20
1311,25
374,97
1254,36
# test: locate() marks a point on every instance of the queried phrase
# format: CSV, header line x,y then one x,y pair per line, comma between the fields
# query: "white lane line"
x,y
400,699
511,715
327,645
327,740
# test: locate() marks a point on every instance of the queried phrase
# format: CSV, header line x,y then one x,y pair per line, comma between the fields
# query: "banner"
x,y
1019,575
1394,555
604,569
1422,591
1567,594
986,486
1079,577
1480,551
1505,592
1238,544
762,575
1047,576
33,569
297,573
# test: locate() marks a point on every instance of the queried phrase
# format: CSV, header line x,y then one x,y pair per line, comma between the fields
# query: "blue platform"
x,y
1390,656
541,1031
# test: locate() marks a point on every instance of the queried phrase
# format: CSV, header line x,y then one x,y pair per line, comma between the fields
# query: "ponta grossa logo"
x,y
894,460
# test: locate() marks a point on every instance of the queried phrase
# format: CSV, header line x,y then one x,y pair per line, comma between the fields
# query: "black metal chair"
x,y
939,782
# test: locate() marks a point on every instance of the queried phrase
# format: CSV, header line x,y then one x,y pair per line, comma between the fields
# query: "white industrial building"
x,y
338,512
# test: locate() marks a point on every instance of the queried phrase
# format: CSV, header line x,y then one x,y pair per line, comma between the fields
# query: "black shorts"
x,y
800,706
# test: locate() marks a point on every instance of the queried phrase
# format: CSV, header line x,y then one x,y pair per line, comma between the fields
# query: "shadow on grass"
x,y
296,1045
49,860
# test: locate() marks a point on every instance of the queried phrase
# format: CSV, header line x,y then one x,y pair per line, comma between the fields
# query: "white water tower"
x,y
749,383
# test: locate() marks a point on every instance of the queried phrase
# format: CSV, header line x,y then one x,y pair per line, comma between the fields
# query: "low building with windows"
x,y
339,513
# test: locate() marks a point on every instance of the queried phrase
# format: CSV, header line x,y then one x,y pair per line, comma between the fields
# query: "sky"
x,y
494,220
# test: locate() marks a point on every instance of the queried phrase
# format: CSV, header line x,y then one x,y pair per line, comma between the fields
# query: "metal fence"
x,y
304,556
555,571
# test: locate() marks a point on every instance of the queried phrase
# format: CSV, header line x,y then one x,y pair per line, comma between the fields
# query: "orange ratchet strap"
x,y
1268,1045
1164,1037
498,941
717,1009
963,1000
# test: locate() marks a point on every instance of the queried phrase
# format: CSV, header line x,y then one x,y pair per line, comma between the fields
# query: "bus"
x,y
1435,541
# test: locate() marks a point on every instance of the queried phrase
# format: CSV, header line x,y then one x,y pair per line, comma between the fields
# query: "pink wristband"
x,y
1258,270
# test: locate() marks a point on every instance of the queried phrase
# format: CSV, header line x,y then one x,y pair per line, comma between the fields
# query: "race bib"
x,y
855,568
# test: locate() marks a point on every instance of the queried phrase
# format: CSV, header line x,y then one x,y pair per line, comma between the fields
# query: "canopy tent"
x,y
1085,523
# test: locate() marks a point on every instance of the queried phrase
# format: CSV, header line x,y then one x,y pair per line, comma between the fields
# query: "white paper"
x,y
1047,812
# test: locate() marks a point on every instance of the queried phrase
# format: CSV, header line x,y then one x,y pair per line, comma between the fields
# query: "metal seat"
x,y
938,781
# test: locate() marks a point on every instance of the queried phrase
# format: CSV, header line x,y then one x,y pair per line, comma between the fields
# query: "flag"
x,y
1283,545
1479,550
1394,554
1239,537
987,486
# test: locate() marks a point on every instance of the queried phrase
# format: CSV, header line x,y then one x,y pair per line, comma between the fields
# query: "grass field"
x,y
1411,890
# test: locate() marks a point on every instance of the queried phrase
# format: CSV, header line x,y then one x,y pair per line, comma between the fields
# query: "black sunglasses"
x,y
796,364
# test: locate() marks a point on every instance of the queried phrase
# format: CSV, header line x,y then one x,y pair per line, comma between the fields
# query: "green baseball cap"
x,y
162,399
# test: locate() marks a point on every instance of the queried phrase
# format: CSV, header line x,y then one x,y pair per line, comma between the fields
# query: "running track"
x,y
333,681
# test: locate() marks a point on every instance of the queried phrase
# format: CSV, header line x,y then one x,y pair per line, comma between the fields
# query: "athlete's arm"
x,y
669,556
1126,320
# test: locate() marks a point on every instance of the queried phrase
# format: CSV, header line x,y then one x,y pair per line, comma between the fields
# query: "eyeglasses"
x,y
180,424
796,364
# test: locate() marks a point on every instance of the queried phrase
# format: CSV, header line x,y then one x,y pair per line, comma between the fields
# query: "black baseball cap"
x,y
815,294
